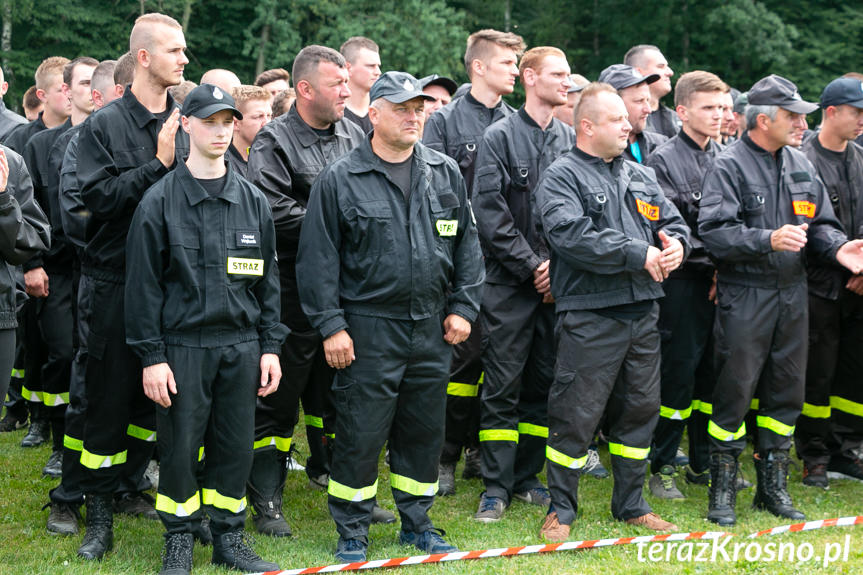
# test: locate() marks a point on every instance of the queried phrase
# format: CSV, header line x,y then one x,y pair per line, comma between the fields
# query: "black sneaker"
x,y
39,433
351,550
12,422
54,466
815,475
430,541
844,468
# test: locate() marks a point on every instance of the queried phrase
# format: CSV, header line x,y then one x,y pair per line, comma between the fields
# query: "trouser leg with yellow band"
x,y
518,357
604,365
761,349
214,407
395,390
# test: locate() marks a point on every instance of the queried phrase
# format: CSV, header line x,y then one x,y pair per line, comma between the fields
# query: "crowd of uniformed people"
x,y
428,272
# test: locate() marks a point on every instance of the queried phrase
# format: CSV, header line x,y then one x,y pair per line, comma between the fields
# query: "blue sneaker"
x,y
351,550
535,496
429,541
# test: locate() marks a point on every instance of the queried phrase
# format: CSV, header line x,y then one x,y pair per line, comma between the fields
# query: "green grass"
x,y
26,547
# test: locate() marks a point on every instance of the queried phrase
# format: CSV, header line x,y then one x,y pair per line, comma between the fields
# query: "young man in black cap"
x,y
389,253
634,89
202,289
763,211
831,424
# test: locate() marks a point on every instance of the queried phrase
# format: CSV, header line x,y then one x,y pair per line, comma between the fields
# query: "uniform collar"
x,y
306,135
140,114
364,159
195,192
684,137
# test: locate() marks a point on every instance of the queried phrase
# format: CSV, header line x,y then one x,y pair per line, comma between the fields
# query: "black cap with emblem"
x,y
206,100
777,91
397,87
621,76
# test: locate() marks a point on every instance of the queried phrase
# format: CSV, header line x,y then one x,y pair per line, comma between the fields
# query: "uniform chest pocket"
x,y
244,256
465,154
443,209
803,198
690,192
185,253
752,201
370,227
520,178
596,201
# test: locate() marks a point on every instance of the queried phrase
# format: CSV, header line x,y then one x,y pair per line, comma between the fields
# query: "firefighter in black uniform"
x,y
285,159
517,315
762,204
202,293
613,238
686,311
491,60
390,274
123,150
635,91
830,426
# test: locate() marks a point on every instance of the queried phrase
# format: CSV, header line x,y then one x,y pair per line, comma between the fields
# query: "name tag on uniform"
x,y
649,211
803,208
247,239
447,227
246,267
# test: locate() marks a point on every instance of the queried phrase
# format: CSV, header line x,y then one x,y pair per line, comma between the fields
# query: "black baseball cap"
x,y
621,76
740,102
843,91
207,99
777,91
397,87
434,80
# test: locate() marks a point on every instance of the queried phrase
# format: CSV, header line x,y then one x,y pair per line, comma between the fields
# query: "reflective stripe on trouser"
x,y
306,376
394,391
685,326
114,394
462,411
607,366
214,407
831,422
518,358
761,351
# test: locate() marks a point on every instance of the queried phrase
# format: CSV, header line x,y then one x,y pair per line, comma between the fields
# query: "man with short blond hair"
x,y
123,150
256,106
613,239
364,66
49,90
686,312
517,310
491,61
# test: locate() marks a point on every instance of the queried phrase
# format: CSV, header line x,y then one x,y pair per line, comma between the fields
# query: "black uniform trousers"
x,y
50,331
760,348
7,356
611,366
685,327
462,400
518,355
214,407
306,376
119,421
394,391
831,422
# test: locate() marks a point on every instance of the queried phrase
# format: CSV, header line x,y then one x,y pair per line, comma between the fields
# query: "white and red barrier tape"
x,y
566,546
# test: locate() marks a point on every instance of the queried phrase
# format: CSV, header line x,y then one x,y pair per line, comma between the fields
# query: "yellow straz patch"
x,y
649,211
803,208
447,227
247,267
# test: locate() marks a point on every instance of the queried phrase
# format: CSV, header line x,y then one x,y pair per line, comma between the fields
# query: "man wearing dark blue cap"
x,y
390,273
202,288
763,211
634,89
830,426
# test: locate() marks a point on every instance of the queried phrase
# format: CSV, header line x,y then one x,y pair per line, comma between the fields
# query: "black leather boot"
x,y
722,493
772,490
232,550
99,535
266,482
177,558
